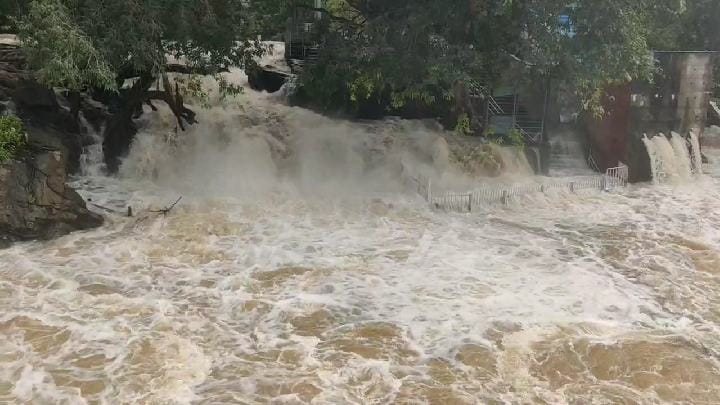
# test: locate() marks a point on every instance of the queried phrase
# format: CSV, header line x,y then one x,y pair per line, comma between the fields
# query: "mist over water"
x,y
300,267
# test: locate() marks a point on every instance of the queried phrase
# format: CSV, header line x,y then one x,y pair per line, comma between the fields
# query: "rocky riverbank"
x,y
35,202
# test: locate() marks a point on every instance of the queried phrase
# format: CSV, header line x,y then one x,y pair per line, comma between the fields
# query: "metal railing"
x,y
613,178
506,106
531,131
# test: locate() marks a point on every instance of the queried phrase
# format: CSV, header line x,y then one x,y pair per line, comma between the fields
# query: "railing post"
x,y
514,116
545,110
429,191
487,111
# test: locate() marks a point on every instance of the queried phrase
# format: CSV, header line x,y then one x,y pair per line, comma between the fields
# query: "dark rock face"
x,y
35,203
266,79
46,122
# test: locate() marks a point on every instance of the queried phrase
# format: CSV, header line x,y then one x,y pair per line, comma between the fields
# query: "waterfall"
x,y
568,155
671,159
696,155
513,161
682,156
92,160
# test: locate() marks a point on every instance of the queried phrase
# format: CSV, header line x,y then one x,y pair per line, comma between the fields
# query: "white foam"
x,y
207,303
670,159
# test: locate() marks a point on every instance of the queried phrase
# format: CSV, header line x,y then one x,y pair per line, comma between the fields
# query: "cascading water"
x,y
283,278
671,159
567,156
682,156
514,161
91,160
696,153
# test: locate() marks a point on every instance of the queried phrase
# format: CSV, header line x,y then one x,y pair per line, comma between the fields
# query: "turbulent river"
x,y
321,281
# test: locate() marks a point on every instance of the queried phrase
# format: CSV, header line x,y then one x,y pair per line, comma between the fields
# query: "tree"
x,y
9,10
418,51
100,44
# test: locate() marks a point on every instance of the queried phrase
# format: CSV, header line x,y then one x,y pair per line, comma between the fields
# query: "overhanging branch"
x,y
130,73
174,101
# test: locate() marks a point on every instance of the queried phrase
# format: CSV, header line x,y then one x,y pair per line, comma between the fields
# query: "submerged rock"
x,y
35,202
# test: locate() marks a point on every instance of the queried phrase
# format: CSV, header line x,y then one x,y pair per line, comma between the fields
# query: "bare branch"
x,y
174,101
167,210
193,70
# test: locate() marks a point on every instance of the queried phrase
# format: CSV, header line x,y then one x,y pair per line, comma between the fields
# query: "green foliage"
x,y
12,137
462,127
515,138
415,52
77,44
9,10
63,54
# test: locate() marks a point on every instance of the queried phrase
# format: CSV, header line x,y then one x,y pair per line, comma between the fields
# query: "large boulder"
x,y
266,78
35,202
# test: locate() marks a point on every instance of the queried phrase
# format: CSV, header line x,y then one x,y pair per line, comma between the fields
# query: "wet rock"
x,y
266,78
35,202
29,94
47,123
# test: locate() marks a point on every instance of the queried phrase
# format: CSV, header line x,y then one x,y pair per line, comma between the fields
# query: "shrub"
x,y
12,137
463,126
515,137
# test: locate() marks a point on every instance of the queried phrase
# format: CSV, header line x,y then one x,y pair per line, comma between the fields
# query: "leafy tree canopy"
x,y
416,50
99,43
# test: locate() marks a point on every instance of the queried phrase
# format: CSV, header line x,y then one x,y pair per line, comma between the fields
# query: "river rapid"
x,y
323,279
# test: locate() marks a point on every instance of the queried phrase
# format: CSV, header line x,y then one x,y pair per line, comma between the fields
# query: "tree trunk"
x,y
121,130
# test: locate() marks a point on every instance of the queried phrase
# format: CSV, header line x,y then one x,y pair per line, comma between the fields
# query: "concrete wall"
x,y
677,100
696,80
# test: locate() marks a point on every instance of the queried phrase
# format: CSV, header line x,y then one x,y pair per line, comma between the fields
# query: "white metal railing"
x,y
614,178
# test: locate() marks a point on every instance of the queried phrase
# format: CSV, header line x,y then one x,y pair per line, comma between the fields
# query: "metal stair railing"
x,y
591,162
493,106
531,131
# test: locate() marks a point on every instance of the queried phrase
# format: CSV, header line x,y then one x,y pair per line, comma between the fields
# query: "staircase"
x,y
301,56
302,42
506,113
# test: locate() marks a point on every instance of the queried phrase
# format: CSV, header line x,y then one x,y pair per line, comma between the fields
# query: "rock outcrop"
x,y
46,121
266,78
36,203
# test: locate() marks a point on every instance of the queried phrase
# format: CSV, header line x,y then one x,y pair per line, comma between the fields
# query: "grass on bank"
x,y
12,137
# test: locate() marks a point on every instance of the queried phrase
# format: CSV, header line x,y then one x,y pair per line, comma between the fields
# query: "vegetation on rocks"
x,y
12,137
427,58
99,46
